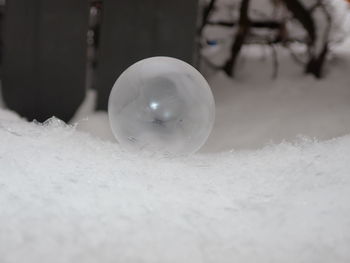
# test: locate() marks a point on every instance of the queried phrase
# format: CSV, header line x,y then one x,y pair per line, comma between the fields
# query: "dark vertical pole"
x,y
45,57
136,29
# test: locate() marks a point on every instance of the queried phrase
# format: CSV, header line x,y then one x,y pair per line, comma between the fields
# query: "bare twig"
x,y
244,25
303,16
272,24
315,65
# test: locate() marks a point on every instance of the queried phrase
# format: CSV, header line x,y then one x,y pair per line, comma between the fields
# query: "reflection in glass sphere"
x,y
161,105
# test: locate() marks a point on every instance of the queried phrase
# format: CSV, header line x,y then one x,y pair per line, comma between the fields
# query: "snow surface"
x,y
68,197
258,192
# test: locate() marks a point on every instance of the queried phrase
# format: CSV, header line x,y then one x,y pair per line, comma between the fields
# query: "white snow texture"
x,y
68,197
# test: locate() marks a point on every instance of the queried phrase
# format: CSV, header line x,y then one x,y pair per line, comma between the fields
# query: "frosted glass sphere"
x,y
161,105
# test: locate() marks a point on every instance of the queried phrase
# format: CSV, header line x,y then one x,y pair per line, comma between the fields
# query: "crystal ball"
x,y
161,105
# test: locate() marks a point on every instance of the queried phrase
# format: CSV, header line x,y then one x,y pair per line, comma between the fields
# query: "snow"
x,y
254,111
272,184
69,197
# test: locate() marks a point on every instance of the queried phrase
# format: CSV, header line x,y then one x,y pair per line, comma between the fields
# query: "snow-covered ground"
x,y
70,194
68,197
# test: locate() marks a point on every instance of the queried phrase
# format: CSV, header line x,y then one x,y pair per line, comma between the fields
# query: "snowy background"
x,y
272,184
259,191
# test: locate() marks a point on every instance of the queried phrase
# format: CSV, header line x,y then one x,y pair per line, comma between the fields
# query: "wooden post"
x,y
45,57
137,29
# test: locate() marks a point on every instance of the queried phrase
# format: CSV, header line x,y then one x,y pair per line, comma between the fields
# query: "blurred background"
x,y
277,68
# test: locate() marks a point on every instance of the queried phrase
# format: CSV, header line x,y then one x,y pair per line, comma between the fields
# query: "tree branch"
x,y
303,16
244,26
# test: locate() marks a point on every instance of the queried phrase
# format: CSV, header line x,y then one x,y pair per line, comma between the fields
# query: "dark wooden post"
x,y
45,57
136,29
